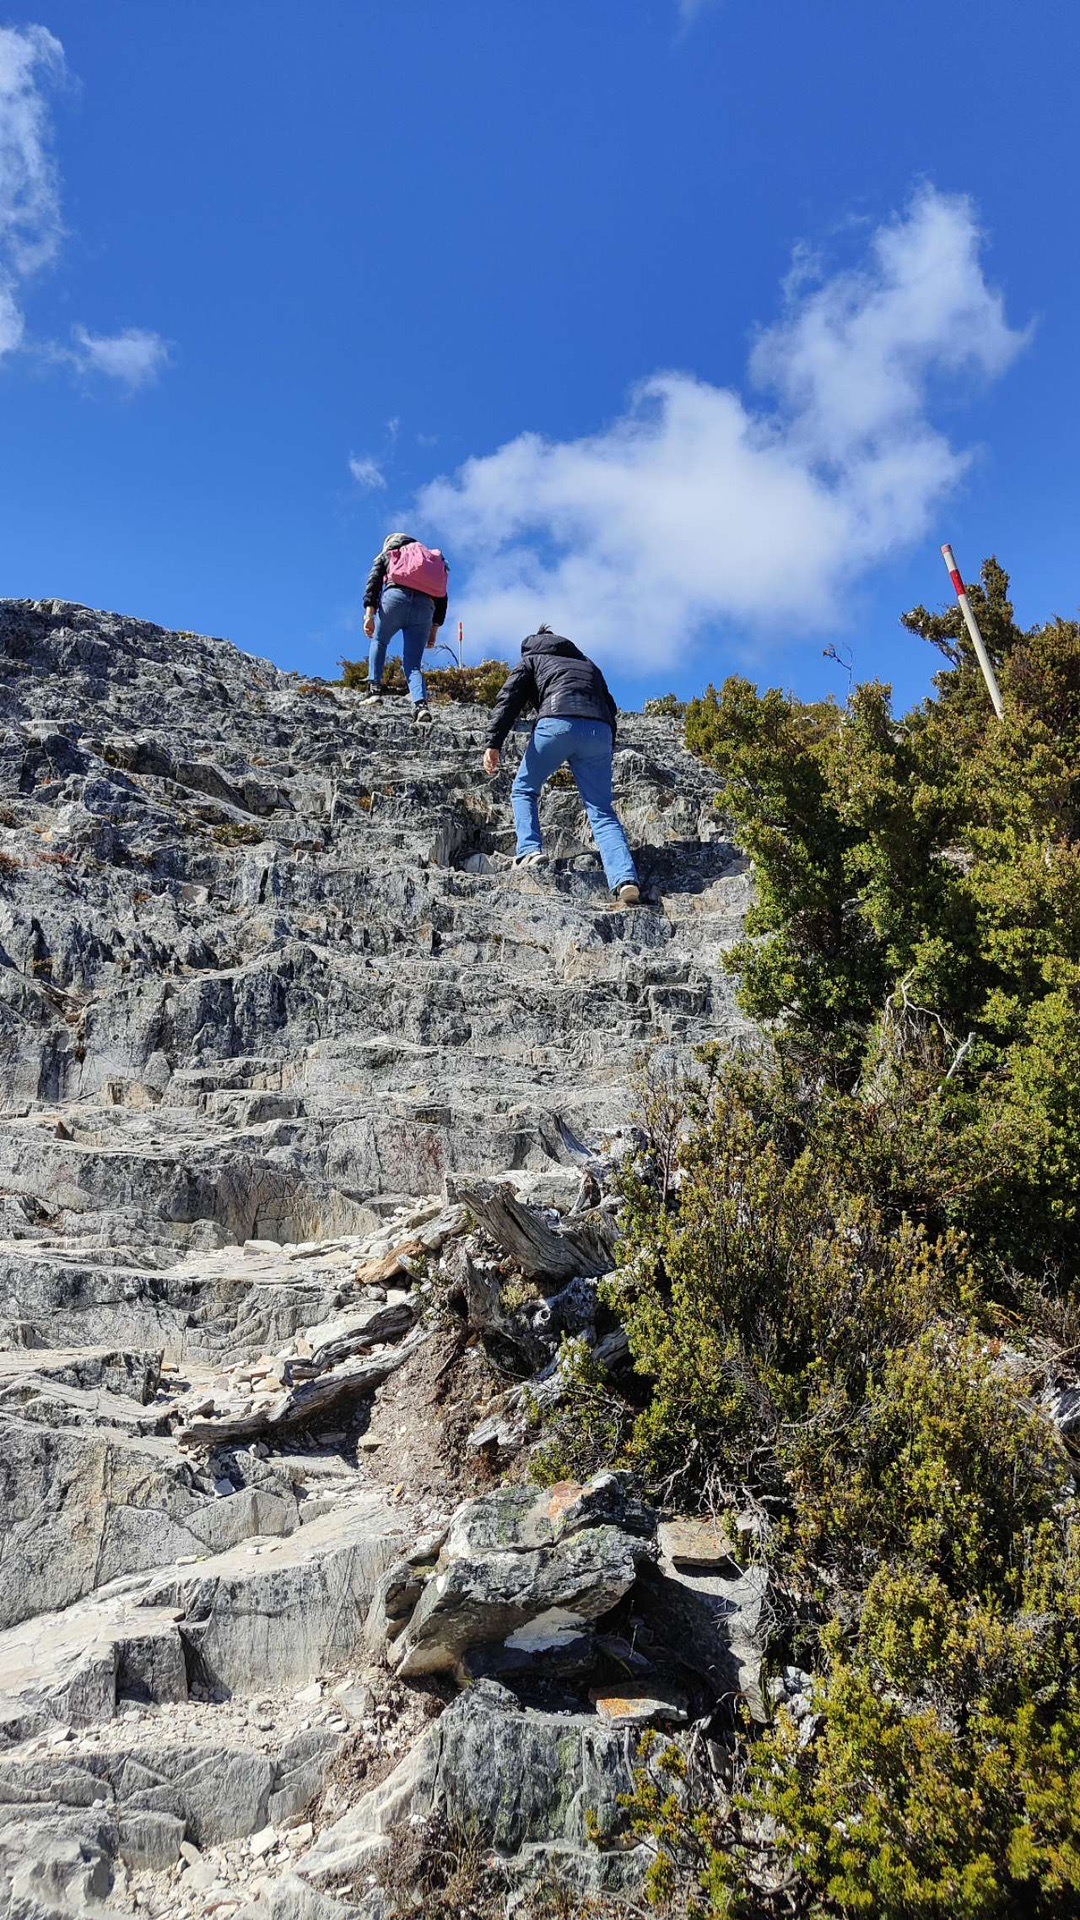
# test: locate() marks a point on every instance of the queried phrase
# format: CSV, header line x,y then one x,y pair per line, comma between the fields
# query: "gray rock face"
x,y
538,1786
80,1506
64,1825
241,938
271,998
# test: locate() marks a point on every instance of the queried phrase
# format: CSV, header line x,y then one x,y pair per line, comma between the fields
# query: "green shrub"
x,y
840,1276
478,686
944,1777
918,910
589,1426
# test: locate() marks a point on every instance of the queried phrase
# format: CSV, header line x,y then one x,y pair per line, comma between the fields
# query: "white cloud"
x,y
32,60
134,357
690,9
30,230
698,508
11,322
366,473
29,198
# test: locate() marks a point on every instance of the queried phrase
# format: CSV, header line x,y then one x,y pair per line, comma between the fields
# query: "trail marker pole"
x,y
460,644
972,626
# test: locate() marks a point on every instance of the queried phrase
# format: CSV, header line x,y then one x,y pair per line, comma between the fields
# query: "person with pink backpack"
x,y
406,594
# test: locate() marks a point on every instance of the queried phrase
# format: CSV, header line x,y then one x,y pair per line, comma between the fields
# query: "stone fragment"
x,y
702,1545
641,1707
388,1266
150,1838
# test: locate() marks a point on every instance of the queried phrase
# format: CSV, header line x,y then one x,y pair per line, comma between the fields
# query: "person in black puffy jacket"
x,y
575,727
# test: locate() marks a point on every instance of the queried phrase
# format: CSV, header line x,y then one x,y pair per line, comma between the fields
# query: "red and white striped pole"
x,y
972,626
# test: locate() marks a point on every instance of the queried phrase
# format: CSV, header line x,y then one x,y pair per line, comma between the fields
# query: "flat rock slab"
x,y
641,1707
699,1545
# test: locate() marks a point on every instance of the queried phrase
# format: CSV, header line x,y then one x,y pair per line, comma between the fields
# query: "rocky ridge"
x,y
296,1074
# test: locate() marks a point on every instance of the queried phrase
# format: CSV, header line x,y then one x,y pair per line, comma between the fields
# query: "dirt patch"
x,y
414,1436
380,1740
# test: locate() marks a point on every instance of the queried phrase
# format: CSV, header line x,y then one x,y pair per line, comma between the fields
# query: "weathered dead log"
x,y
586,1248
310,1400
351,1333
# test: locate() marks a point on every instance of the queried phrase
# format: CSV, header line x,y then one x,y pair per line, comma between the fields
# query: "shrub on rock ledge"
x,y
477,686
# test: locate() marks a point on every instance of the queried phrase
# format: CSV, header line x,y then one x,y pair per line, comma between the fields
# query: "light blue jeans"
x,y
409,614
586,747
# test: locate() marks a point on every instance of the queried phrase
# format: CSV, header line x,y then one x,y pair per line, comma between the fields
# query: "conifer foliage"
x,y
853,1304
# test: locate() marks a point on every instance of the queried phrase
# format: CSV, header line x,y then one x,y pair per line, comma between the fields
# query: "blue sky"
x,y
694,329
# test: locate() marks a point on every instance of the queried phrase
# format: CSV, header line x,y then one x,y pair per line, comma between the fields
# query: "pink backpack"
x,y
419,567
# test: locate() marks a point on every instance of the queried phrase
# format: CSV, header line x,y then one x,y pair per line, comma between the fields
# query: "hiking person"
x,y
406,594
574,727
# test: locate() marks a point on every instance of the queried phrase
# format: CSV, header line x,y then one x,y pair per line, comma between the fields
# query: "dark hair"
x,y
544,628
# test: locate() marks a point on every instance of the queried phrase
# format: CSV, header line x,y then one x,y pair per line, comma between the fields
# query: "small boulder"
x,y
520,1569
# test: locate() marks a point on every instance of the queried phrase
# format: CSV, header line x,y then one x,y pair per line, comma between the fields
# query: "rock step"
x,y
215,1306
82,1505
69,1814
543,1789
271,1614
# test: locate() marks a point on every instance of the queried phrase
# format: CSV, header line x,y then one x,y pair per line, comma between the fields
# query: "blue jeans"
x,y
586,747
409,614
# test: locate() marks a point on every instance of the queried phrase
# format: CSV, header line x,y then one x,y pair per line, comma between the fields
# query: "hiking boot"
x,y
530,860
372,695
628,895
422,714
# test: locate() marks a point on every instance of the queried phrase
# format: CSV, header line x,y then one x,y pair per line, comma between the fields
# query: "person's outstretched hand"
x,y
369,625
492,760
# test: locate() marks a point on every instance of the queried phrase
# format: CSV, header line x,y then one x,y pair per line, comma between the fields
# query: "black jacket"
x,y
556,679
377,580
